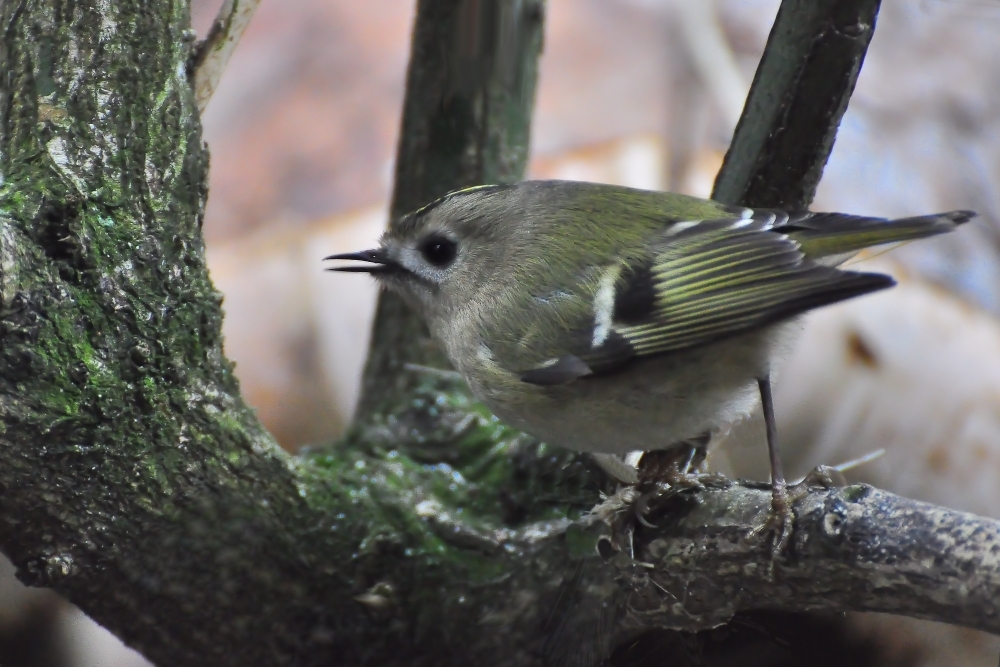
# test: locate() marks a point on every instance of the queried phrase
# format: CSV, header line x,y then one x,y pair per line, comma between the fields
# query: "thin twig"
x,y
211,55
465,55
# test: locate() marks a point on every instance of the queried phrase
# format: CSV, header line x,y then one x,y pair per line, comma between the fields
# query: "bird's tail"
x,y
835,234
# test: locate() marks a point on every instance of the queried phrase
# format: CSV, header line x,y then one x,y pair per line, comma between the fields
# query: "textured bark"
x,y
799,94
136,483
854,548
133,479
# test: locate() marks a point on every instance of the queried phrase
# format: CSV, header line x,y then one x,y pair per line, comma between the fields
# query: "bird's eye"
x,y
438,250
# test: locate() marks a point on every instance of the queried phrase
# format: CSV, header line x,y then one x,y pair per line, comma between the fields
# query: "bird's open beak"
x,y
377,258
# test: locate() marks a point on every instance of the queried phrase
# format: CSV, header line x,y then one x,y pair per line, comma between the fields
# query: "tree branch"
x,y
212,54
799,94
854,548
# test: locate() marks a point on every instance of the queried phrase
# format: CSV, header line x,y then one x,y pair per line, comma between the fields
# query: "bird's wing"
x,y
700,283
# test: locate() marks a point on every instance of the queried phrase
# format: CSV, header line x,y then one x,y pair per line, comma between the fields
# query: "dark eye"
x,y
438,250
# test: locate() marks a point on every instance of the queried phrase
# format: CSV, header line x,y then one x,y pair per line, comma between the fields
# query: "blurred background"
x,y
645,93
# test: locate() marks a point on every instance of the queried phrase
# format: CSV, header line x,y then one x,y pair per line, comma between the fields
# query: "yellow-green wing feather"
x,y
697,281
716,280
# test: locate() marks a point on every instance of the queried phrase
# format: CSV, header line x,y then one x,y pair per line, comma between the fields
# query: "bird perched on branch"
x,y
607,319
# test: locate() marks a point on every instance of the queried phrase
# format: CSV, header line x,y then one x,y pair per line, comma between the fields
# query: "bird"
x,y
609,320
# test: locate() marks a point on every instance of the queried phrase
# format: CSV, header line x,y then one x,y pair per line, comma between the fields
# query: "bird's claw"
x,y
660,475
780,522
780,519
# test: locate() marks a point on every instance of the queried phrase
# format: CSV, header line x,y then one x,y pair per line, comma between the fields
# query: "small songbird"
x,y
608,319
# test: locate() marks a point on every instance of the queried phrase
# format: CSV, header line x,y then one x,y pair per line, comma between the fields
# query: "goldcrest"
x,y
608,319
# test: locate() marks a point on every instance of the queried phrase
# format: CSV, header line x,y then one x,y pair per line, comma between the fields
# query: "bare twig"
x,y
211,55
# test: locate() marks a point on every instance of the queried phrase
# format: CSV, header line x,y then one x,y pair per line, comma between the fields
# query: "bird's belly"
x,y
643,415
654,404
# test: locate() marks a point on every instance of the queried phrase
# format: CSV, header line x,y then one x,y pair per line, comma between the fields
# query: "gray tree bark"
x,y
136,483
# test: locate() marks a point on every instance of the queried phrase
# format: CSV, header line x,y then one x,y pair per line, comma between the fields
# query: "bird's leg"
x,y
780,518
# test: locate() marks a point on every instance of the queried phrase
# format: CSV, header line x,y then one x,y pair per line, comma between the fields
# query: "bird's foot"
x,y
661,474
780,523
665,473
681,468
617,511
